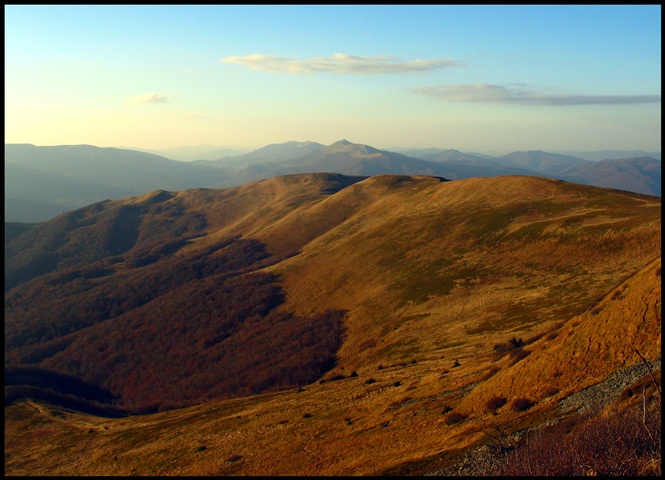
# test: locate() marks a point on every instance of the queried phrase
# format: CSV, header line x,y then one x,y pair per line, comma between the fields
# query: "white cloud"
x,y
486,93
340,63
146,98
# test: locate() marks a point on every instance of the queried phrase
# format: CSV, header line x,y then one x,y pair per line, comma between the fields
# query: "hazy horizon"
x,y
485,79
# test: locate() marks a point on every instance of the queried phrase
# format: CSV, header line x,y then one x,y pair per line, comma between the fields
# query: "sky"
x,y
480,78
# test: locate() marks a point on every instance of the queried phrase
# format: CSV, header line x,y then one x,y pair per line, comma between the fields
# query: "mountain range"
x,y
41,182
319,323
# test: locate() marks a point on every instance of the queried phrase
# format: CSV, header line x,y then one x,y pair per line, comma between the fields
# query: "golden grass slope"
x,y
433,274
428,268
350,426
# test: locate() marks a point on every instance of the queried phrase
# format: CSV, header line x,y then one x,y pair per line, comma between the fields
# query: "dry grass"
x,y
420,282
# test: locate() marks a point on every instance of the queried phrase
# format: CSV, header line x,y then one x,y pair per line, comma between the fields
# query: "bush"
x,y
369,381
455,417
521,404
495,403
511,344
624,444
518,354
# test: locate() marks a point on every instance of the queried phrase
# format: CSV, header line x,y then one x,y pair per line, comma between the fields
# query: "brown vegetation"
x,y
269,287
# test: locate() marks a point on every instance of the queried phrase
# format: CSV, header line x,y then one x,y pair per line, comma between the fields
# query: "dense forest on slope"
x,y
100,295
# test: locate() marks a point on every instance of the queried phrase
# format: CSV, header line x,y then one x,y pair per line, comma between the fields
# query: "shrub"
x,y
623,444
511,344
369,381
518,354
549,391
455,417
494,403
521,404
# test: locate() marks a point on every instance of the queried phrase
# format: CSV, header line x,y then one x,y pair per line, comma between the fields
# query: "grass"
x,y
421,287
623,444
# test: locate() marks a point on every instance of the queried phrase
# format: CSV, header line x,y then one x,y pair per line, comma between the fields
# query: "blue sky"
x,y
488,79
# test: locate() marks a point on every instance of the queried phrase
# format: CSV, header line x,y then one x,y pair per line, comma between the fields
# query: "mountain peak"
x,y
351,148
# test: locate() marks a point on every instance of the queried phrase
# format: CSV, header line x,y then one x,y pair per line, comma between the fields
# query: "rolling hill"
x,y
320,323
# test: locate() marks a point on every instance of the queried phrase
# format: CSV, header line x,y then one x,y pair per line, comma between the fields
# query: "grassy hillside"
x,y
363,325
429,268
397,419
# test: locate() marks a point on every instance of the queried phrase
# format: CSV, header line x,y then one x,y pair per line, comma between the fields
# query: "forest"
x,y
132,327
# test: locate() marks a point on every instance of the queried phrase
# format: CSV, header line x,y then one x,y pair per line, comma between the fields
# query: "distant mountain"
x,y
356,159
545,163
259,164
33,195
43,181
641,175
451,155
613,154
417,152
137,171
191,153
465,165
276,152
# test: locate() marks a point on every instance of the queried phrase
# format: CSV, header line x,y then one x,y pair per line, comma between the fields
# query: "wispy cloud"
x,y
486,93
146,98
340,63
